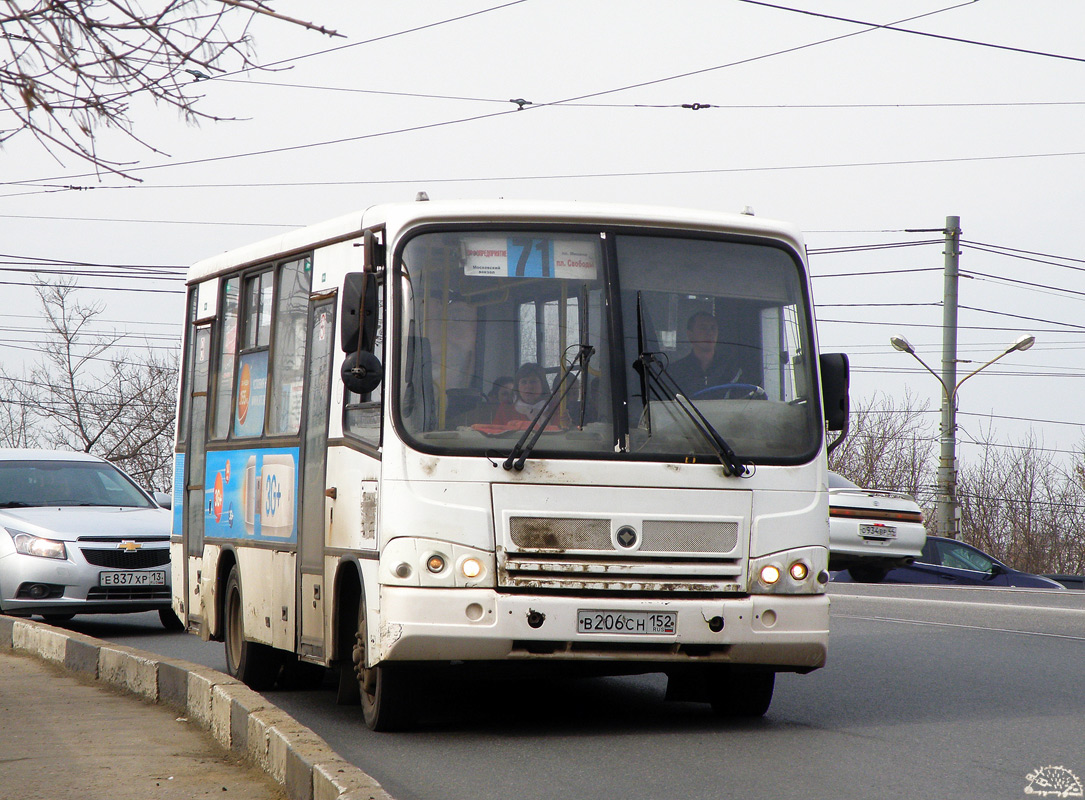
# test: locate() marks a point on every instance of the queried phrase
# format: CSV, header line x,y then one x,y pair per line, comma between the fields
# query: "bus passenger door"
x,y
197,494
310,580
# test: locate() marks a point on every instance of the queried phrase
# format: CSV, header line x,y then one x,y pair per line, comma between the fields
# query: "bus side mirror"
x,y
359,314
835,385
362,372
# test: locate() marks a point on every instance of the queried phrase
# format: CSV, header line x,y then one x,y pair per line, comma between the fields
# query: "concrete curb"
x,y
239,719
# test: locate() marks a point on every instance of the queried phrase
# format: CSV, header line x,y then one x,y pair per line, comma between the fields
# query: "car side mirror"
x,y
164,500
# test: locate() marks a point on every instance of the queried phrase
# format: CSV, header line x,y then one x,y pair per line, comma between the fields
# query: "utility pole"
x,y
947,463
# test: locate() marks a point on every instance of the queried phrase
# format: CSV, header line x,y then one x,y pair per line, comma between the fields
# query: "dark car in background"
x,y
949,562
78,536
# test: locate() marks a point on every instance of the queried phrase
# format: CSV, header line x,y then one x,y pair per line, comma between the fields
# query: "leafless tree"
x,y
88,392
67,68
1020,505
890,445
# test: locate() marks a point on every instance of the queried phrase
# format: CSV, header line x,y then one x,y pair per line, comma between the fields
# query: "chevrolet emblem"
x,y
129,546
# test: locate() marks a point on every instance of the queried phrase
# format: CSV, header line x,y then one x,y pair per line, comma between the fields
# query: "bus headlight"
x,y
789,572
409,561
769,575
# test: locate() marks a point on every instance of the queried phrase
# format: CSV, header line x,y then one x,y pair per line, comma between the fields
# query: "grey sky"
x,y
854,139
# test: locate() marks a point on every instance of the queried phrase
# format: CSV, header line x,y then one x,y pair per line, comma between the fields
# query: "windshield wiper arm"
x,y
667,388
14,504
522,449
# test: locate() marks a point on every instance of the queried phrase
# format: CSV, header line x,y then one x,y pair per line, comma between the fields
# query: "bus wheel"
x,y
255,664
386,697
741,695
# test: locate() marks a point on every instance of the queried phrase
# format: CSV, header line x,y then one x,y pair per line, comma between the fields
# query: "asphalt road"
x,y
964,695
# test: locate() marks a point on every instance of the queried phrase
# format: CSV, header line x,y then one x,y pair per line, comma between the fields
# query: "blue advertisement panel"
x,y
178,493
252,494
251,395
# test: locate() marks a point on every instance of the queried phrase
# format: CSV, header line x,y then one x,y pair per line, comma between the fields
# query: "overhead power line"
x,y
47,188
893,26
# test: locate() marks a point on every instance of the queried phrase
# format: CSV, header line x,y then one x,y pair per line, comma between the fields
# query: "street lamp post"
x,y
947,465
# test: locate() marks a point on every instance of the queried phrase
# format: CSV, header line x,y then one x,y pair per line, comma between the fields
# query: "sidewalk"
x,y
85,719
66,737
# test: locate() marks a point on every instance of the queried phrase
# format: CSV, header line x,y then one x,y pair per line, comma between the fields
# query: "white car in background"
x,y
871,531
78,536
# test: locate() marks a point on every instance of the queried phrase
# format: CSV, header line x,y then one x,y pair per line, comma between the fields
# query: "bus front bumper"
x,y
784,631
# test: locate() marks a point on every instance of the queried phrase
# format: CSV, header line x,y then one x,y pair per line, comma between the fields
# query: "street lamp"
x,y
947,468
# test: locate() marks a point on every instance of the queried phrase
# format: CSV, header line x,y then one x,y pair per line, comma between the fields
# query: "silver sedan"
x,y
78,536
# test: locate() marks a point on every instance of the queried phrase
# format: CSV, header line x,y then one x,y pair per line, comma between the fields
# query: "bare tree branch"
x,y
69,68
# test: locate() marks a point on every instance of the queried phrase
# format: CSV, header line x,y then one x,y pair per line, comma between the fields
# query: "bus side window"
x,y
362,414
226,364
287,377
252,380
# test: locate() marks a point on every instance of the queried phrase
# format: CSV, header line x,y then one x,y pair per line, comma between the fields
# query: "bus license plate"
x,y
155,578
878,531
637,622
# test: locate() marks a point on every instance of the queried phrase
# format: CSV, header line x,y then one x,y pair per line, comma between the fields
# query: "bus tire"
x,y
255,664
741,695
386,697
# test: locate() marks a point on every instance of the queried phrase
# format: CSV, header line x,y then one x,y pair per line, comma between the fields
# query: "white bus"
x,y
586,437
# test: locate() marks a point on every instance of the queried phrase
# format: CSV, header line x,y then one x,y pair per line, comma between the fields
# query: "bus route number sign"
x,y
653,623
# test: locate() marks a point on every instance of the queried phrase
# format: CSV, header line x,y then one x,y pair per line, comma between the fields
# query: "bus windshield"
x,y
613,344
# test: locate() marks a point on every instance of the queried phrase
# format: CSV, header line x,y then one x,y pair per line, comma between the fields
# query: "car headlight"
x,y
30,545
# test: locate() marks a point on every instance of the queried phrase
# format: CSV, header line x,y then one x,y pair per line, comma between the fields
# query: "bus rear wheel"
x,y
255,664
386,697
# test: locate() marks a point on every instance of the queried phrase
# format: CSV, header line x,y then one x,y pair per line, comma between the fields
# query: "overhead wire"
x,y
477,117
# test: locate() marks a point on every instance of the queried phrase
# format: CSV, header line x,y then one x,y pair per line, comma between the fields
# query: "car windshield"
x,y
614,345
34,484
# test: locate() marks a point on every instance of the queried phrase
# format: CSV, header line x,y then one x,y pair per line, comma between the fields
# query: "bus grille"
x,y
588,573
658,536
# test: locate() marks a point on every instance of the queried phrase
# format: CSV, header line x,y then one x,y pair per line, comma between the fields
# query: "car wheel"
x,y
255,664
386,696
743,695
868,574
170,621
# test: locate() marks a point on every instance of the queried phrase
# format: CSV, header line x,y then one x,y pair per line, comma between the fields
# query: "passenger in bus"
x,y
703,367
501,401
531,390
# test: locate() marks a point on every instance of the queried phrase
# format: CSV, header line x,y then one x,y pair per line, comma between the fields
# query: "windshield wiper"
x,y
14,504
522,449
655,379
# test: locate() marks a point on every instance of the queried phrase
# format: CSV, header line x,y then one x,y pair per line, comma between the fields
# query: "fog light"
x,y
403,570
471,567
436,563
770,574
798,571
